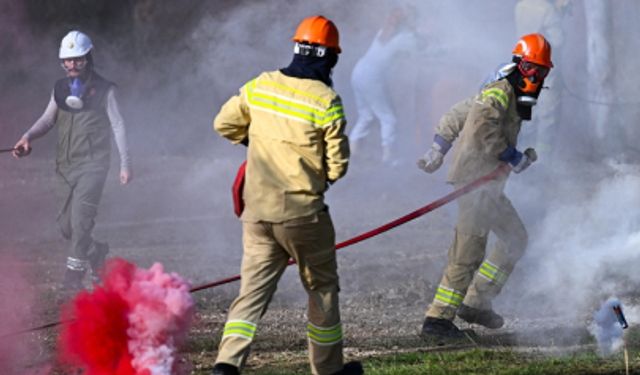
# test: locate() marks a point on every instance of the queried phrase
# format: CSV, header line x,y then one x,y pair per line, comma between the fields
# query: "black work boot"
x,y
487,318
351,368
72,282
96,260
225,369
440,328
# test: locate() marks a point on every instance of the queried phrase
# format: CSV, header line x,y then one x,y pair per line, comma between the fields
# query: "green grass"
x,y
476,361
483,361
486,359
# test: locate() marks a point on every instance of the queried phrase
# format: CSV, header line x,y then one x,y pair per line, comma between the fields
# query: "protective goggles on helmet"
x,y
309,50
532,70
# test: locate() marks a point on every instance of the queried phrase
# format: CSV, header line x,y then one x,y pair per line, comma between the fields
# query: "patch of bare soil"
x,y
177,211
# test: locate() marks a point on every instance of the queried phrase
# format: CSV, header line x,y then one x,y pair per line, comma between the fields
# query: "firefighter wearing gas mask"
x,y
84,109
491,121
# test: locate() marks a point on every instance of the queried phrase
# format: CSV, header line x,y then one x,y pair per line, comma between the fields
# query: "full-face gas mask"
x,y
525,100
532,57
530,80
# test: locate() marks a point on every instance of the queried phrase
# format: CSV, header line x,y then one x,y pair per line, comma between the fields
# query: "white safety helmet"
x,y
75,44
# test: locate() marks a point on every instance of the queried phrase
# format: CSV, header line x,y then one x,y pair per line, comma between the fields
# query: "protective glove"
x,y
431,161
528,157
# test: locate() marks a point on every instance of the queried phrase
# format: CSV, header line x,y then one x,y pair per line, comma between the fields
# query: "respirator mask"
x,y
75,68
74,100
530,80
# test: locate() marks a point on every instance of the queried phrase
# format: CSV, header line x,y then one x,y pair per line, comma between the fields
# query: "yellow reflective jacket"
x,y
490,127
297,144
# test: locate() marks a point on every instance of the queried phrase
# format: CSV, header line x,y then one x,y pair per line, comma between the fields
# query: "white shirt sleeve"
x,y
119,131
44,123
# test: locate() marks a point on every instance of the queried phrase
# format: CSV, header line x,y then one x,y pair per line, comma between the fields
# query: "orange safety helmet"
x,y
532,53
318,30
534,48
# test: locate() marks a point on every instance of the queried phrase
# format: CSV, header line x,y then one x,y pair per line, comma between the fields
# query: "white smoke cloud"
x,y
159,319
583,248
606,328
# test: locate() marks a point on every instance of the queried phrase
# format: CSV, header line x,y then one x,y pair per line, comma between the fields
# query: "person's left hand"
x,y
431,161
125,176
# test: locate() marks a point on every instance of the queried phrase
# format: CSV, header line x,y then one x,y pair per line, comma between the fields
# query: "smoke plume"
x,y
16,300
132,325
606,328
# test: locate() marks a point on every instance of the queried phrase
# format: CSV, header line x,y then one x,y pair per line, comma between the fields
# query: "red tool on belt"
x,y
238,187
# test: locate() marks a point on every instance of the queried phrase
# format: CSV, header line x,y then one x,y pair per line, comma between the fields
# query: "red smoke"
x,y
130,326
16,303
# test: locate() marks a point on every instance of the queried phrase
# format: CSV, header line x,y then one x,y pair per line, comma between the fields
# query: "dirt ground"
x,y
177,211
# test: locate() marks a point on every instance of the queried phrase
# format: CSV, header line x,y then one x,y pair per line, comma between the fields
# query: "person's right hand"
x,y
22,148
125,176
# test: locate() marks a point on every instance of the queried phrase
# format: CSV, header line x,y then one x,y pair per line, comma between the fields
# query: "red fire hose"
x,y
502,169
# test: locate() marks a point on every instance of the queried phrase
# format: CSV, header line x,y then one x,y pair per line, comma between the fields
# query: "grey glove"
x,y
431,161
528,157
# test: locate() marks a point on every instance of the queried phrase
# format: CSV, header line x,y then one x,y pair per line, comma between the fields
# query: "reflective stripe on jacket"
x,y
491,126
296,144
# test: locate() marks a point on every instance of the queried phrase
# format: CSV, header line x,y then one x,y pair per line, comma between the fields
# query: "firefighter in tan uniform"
x,y
293,124
488,127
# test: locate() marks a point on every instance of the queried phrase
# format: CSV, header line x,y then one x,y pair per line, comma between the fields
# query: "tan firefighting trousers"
x,y
267,248
469,277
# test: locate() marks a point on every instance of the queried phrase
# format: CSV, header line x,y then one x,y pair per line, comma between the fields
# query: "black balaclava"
x,y
515,79
312,67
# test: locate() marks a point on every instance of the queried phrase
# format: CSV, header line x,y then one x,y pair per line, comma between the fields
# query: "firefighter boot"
x,y
487,318
225,369
351,368
96,260
440,328
72,282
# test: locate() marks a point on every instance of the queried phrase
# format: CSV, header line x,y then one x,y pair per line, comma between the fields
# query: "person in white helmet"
x,y
83,107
